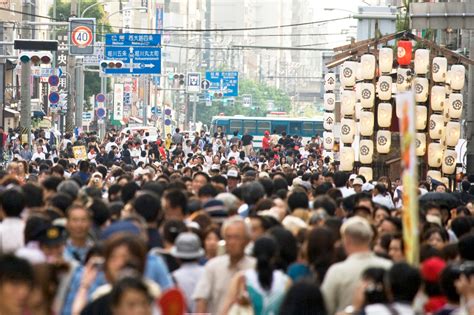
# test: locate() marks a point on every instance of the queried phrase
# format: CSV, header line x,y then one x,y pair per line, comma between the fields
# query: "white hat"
x,y
352,177
357,181
215,167
232,173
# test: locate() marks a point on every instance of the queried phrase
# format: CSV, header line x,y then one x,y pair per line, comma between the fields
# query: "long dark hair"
x,y
265,250
320,251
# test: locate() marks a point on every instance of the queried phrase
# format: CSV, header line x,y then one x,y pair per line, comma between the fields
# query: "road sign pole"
x,y
194,110
79,91
103,88
25,112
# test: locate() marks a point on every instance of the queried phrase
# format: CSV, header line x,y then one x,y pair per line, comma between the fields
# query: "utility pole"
x,y
70,105
25,97
79,91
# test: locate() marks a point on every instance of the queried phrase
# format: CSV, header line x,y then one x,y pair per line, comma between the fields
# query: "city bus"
x,y
256,126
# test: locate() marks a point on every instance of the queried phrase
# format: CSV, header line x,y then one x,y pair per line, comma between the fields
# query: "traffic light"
x,y
176,79
111,64
218,94
36,57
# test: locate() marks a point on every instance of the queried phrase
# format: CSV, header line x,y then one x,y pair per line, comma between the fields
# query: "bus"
x,y
256,126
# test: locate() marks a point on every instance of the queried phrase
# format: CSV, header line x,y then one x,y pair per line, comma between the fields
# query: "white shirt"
x,y
187,277
346,192
233,154
11,235
384,200
36,155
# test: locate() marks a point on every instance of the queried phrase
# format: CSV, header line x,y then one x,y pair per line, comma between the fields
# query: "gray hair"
x,y
236,219
231,202
358,229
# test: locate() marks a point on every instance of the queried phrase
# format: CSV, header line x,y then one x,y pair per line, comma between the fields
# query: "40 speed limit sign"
x,y
82,36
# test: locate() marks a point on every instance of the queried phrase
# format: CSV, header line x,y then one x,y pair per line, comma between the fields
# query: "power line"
x,y
193,30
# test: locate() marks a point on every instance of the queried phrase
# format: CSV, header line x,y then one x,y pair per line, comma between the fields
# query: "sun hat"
x,y
187,246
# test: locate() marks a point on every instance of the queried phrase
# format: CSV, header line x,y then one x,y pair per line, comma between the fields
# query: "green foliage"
x,y
403,18
63,11
261,94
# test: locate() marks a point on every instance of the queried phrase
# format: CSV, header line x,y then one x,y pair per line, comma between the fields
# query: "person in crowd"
x,y
219,271
12,227
78,226
342,278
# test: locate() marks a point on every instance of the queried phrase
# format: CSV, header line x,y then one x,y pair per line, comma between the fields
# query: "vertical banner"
x,y
409,176
118,101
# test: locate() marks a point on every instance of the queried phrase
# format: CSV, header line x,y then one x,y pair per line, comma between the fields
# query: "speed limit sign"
x,y
82,36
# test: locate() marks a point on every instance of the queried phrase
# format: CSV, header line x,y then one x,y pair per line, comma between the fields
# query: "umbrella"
x,y
441,198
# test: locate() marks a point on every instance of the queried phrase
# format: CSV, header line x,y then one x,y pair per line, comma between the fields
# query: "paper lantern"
x,y
367,95
366,126
367,64
457,77
436,126
358,109
420,142
421,89
435,154
347,159
403,79
421,117
384,87
348,100
367,172
348,73
329,101
347,130
455,103
438,97
453,132
328,138
366,151
445,181
358,72
404,52
422,61
385,59
384,141
328,121
384,115
330,81
449,161
436,175
439,68
447,87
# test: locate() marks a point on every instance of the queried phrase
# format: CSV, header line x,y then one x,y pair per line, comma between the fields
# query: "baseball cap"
x,y
233,173
215,167
357,181
52,235
352,177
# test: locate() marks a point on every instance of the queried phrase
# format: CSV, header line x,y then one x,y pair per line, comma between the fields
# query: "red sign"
x,y
81,36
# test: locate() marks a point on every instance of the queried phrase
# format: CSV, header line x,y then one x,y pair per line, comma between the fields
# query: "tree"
x,y
63,11
262,96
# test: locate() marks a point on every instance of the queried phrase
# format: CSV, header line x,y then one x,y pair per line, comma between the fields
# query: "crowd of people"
x,y
231,228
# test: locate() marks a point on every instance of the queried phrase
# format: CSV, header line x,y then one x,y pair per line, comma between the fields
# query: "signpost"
x,y
140,53
101,112
205,84
247,100
53,97
99,54
82,36
226,82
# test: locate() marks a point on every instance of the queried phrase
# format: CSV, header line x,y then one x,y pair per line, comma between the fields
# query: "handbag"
x,y
243,305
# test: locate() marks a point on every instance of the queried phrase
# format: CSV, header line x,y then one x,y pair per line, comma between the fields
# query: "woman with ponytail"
x,y
262,288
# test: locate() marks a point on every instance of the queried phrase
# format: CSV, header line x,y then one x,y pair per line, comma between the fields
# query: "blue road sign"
x,y
156,110
53,97
168,111
167,122
136,60
226,82
140,53
131,39
205,84
100,98
100,112
53,80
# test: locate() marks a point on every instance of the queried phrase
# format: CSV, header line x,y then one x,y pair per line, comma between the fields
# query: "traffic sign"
x,y
154,117
101,112
247,100
226,82
53,97
100,98
87,117
193,82
81,41
156,110
168,111
139,53
205,84
167,122
99,54
53,80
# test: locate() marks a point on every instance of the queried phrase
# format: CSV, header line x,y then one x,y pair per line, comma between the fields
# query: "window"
x,y
307,129
235,125
263,126
250,126
279,126
318,128
295,128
